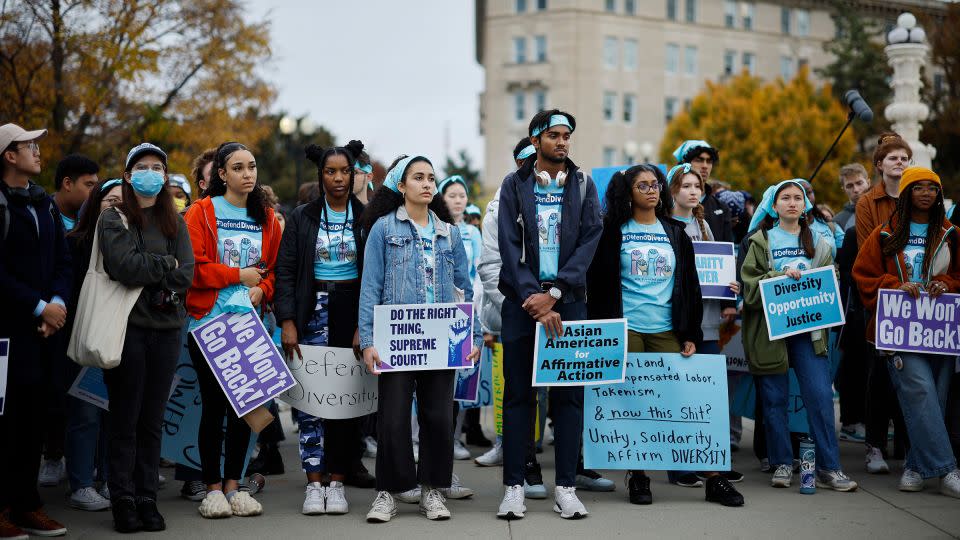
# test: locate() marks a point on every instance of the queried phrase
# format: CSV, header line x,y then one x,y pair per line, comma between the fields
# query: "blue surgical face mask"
x,y
147,183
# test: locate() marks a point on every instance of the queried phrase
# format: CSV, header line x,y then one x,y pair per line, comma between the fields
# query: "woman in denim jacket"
x,y
413,255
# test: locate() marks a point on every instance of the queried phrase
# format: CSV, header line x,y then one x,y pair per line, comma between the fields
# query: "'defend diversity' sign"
x,y
923,325
415,337
716,267
794,306
587,353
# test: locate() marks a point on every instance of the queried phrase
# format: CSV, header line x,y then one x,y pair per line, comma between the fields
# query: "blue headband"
x,y
682,150
765,208
526,152
472,210
395,175
555,120
684,167
453,179
109,184
368,168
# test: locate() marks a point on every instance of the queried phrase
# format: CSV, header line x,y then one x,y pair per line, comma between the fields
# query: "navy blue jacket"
x,y
519,243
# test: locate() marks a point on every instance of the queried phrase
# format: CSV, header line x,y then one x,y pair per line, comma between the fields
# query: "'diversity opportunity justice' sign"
x,y
924,324
794,306
413,337
587,353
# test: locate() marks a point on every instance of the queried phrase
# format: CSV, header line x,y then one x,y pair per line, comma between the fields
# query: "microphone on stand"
x,y
858,109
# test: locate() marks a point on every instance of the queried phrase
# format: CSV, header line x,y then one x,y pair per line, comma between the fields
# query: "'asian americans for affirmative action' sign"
x,y
413,337
332,384
716,267
670,413
794,306
588,353
924,324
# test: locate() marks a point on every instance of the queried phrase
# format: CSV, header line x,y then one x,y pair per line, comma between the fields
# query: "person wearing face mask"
x,y
179,187
144,243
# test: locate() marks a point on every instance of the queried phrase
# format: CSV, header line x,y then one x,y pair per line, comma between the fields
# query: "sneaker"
x,y
732,476
268,461
853,433
193,490
511,507
243,505
456,489
950,484
161,480
459,450
126,519
410,496
835,480
534,491
638,486
215,506
313,499
533,487
383,508
360,477
9,531
255,483
567,504
369,447
765,465
688,479
720,490
51,472
38,523
336,499
88,499
104,491
492,457
782,476
475,437
875,462
149,515
431,505
910,481
590,480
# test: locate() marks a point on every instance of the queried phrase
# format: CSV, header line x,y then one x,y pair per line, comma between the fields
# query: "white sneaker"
x,y
910,481
875,462
456,489
512,507
370,447
51,472
492,457
244,505
459,450
383,508
104,491
215,506
336,499
782,476
313,499
161,480
431,505
567,504
950,484
410,496
88,499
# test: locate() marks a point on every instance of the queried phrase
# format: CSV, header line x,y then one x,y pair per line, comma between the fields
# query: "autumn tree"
x,y
463,166
767,132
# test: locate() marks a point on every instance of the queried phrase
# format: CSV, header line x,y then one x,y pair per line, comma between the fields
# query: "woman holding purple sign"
x,y
917,251
235,239
413,255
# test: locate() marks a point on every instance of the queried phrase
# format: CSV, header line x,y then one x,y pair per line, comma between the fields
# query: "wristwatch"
x,y
555,293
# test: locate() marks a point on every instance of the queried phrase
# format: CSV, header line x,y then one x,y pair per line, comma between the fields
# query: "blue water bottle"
x,y
808,467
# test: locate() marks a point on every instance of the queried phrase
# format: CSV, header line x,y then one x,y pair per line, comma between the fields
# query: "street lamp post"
x,y
295,130
646,151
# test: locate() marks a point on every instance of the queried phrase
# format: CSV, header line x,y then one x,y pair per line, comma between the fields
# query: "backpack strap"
x,y
4,217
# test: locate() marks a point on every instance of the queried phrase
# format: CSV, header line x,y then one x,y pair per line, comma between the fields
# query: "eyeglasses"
x,y
927,189
157,167
32,146
644,187
113,201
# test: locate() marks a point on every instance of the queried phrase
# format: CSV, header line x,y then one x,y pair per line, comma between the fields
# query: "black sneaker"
x,y
193,490
532,474
360,477
733,476
688,479
268,461
126,519
639,488
720,490
149,515
475,437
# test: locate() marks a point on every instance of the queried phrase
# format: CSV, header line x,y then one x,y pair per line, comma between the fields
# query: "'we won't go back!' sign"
x,y
924,324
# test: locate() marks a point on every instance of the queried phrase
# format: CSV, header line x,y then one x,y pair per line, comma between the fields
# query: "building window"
x,y
672,58
670,108
687,103
519,106
730,13
541,5
787,68
748,14
802,63
609,156
609,102
939,83
629,107
630,6
803,23
610,52
611,5
729,59
785,20
630,54
672,9
519,50
750,62
690,60
521,6
540,99
691,14
540,44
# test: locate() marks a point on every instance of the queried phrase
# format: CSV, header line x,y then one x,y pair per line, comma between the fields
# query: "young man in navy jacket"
x,y
548,229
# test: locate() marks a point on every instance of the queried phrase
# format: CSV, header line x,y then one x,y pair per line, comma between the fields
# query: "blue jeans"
x,y
922,382
813,374
86,443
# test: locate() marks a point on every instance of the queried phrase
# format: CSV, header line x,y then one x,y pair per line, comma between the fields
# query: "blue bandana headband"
x,y
395,175
526,152
555,120
109,184
472,210
766,205
368,168
686,147
683,167
453,179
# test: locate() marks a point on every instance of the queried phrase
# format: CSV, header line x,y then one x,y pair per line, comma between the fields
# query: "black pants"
x,y
566,403
851,380
396,470
62,368
211,440
138,389
883,406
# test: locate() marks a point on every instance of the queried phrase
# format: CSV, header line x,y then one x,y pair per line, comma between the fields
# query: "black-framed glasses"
x,y
644,187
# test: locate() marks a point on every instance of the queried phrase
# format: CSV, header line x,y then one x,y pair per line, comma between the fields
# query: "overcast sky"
x,y
392,73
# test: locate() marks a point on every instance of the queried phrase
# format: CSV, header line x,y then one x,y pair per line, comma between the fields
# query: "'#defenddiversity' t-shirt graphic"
x,y
336,249
914,251
647,264
549,206
787,252
239,238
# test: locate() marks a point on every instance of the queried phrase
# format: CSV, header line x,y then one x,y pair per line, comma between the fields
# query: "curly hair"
x,y
619,195
256,201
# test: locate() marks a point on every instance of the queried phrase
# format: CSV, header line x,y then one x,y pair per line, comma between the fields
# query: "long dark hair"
x,y
164,211
900,225
319,157
90,211
386,200
256,200
806,234
619,195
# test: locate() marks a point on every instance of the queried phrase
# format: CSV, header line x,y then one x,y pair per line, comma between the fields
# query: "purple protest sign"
x,y
246,363
924,324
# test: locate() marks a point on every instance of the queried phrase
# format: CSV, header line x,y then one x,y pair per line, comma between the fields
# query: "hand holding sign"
x,y
372,360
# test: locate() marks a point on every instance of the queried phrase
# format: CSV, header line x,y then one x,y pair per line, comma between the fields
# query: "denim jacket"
x,y
393,269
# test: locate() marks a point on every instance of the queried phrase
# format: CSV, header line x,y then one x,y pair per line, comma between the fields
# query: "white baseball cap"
x,y
11,133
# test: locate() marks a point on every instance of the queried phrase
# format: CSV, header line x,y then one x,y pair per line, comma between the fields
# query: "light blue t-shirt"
x,y
787,251
239,245
914,250
68,223
822,230
427,237
549,205
335,257
472,244
647,264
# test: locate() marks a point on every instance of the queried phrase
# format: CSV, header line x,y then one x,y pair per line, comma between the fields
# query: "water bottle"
x,y
808,467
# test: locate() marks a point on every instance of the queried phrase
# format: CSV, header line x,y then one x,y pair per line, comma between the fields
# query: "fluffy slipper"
x,y
215,506
244,505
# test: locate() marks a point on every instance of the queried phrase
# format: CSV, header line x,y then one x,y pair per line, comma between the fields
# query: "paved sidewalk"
x,y
876,511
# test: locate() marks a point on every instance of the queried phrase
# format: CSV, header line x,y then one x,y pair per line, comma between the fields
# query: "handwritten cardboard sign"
x,y
332,384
